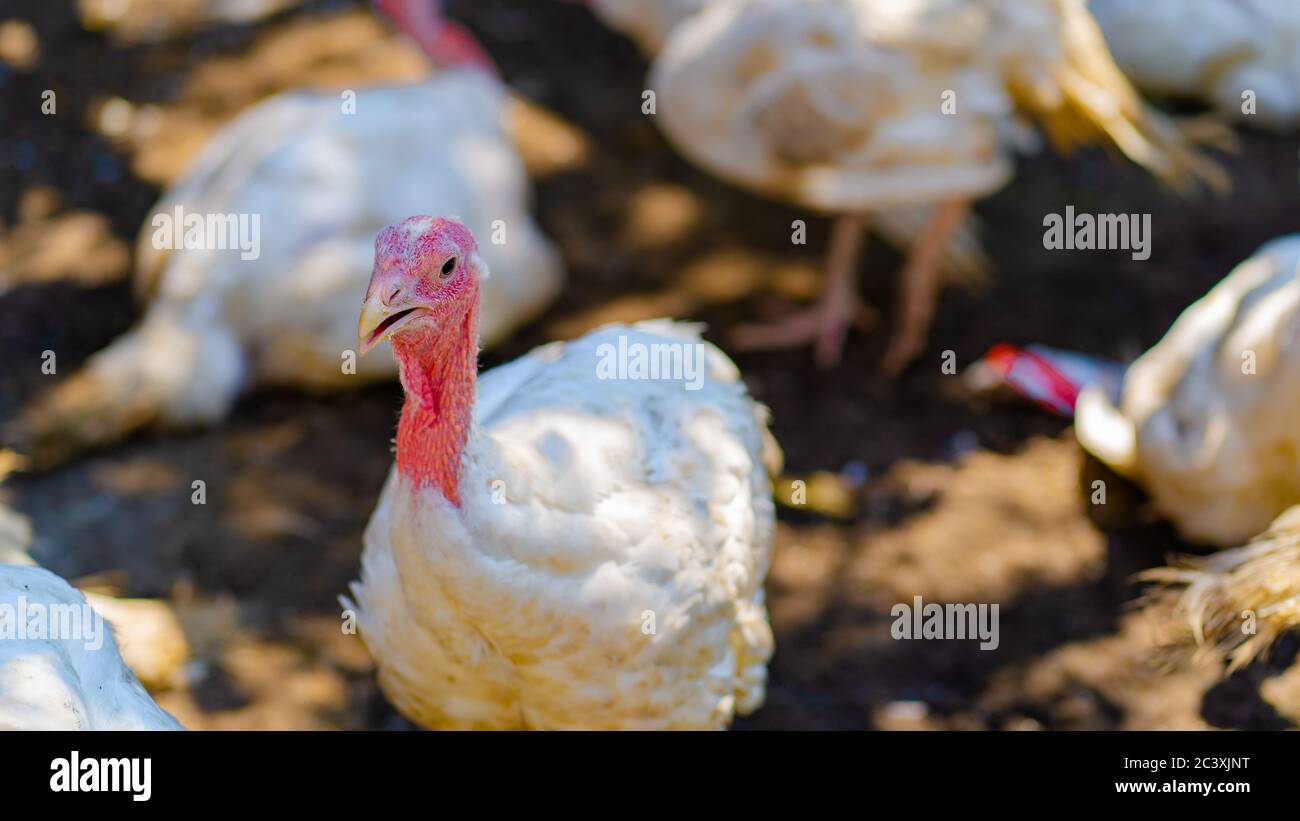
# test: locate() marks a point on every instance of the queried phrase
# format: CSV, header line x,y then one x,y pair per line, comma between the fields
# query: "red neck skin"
x,y
438,367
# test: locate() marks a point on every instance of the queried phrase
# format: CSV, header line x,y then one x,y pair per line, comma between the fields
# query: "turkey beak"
x,y
379,319
370,325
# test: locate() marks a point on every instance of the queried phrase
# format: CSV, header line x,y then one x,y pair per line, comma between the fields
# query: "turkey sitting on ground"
x,y
1207,420
322,181
1242,56
59,664
558,547
854,106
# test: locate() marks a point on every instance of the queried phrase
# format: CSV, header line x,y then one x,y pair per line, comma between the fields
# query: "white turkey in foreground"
x,y
321,182
150,633
557,547
73,681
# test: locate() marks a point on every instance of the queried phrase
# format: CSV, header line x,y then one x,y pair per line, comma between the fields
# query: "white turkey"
x,y
851,107
560,544
961,257
320,181
59,664
1242,56
1206,420
152,634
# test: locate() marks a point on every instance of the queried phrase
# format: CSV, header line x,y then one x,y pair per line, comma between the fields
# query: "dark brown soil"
x,y
963,500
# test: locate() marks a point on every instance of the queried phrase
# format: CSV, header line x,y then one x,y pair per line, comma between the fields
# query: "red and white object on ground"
x,y
1052,378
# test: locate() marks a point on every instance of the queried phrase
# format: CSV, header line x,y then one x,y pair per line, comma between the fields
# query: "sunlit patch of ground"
x,y
48,243
1012,530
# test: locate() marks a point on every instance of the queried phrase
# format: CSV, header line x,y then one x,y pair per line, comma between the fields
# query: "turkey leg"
x,y
825,323
918,289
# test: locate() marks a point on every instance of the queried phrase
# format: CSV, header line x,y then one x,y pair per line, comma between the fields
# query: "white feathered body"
x,y
605,569
1208,417
1217,50
64,682
1260,580
834,104
891,108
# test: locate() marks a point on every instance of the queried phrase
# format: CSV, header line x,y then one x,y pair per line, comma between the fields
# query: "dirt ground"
x,y
951,497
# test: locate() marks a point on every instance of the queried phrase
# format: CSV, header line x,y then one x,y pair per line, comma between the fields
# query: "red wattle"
x,y
438,370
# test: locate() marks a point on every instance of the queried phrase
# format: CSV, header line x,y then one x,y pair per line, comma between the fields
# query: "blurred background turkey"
x,y
232,538
831,103
322,181
1240,56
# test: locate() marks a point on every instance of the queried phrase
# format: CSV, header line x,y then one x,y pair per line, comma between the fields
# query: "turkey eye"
x,y
448,267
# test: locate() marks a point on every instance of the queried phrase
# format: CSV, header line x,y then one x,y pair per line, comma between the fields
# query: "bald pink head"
x,y
446,42
426,278
423,295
